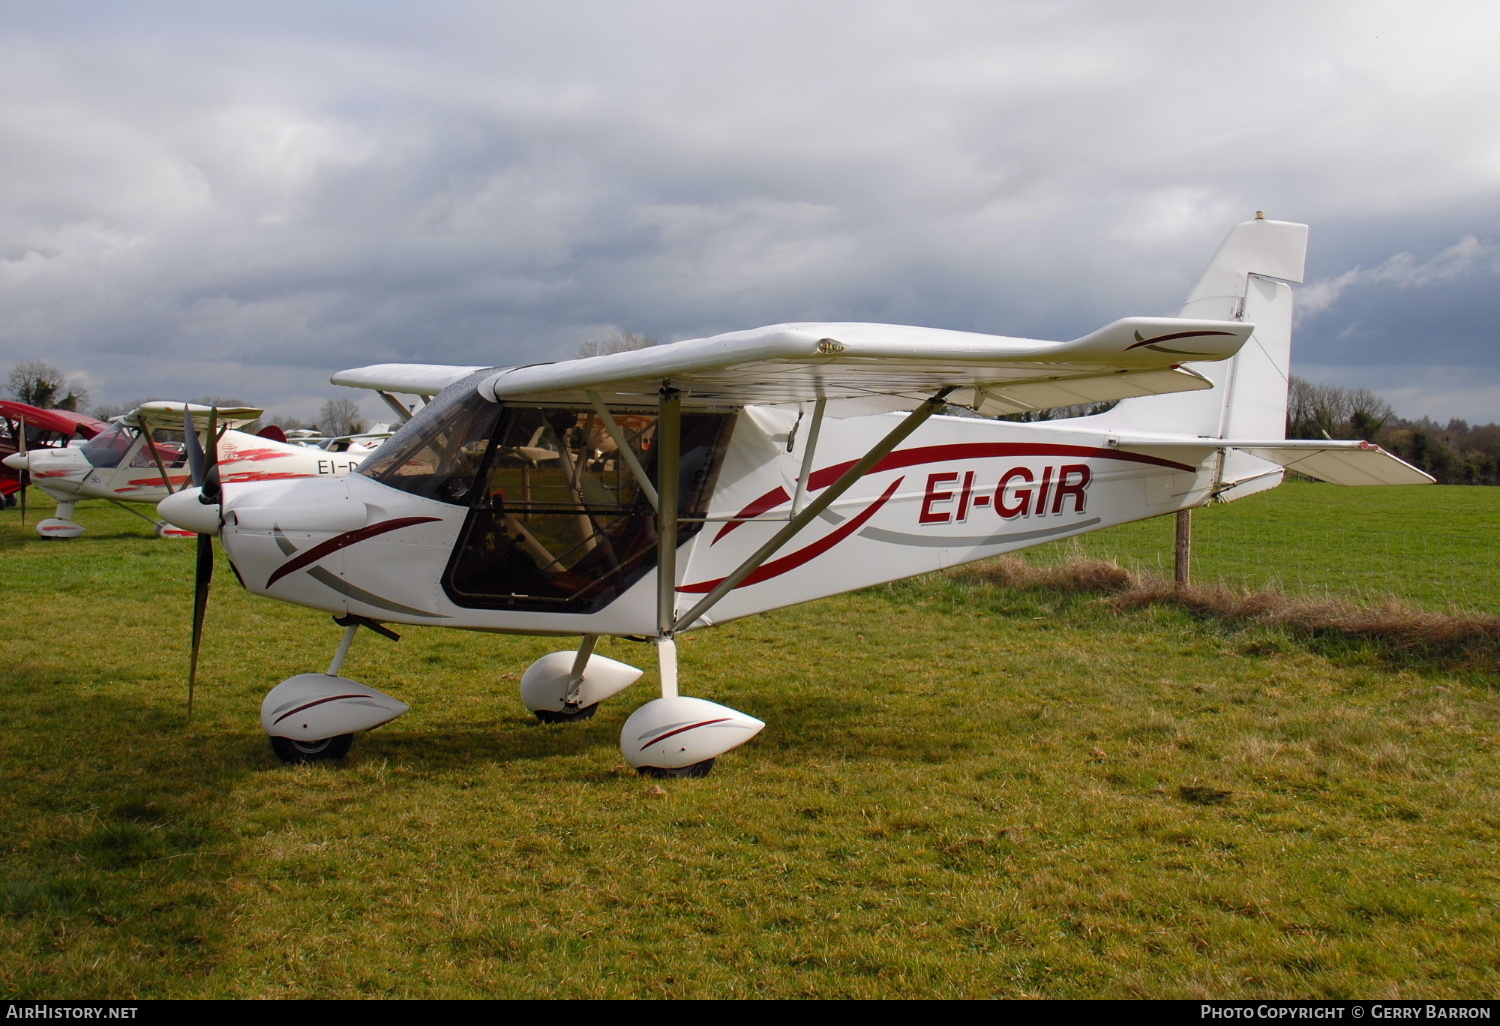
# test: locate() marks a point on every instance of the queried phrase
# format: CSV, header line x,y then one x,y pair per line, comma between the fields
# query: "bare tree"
x,y
42,385
1327,411
620,342
340,417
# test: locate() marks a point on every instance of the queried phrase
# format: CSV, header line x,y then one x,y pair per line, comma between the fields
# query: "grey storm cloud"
x,y
211,201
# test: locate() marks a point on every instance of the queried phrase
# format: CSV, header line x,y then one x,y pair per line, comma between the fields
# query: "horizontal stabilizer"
x,y
1335,461
1353,463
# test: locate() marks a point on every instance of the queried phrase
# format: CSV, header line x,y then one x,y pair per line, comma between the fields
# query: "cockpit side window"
x,y
169,449
559,522
108,448
437,454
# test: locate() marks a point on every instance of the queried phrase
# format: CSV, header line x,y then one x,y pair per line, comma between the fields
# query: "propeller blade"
x,y
211,485
194,448
25,474
202,579
205,468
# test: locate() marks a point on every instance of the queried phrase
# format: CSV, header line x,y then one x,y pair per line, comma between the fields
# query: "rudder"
x,y
1245,281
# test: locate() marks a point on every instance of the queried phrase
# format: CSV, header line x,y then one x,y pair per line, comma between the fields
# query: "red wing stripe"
x,y
777,567
679,730
309,705
343,541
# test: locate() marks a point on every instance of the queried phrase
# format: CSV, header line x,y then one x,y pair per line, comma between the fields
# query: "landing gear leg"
x,y
565,687
313,717
61,525
675,736
573,707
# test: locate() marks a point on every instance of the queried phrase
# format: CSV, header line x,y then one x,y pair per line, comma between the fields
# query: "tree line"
x,y
1454,453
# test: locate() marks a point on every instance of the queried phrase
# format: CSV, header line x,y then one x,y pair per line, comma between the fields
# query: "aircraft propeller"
x,y
205,471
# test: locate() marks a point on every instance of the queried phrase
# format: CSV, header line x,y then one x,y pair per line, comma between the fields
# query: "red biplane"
x,y
23,428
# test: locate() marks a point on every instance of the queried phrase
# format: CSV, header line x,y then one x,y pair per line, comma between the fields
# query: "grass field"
x,y
962,791
1435,547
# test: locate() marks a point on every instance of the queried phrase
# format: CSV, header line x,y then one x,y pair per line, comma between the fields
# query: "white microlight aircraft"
x,y
648,493
141,459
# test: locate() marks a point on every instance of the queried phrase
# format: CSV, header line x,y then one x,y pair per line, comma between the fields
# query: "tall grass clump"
x,y
1398,628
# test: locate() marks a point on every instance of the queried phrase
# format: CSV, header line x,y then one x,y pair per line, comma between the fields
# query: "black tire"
x,y
565,715
9,501
697,769
312,751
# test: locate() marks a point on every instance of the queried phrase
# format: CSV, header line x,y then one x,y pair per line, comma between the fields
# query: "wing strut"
x,y
395,404
622,446
884,447
156,457
668,469
807,455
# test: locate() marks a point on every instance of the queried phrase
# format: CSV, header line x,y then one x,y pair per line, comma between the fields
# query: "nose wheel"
x,y
697,769
566,715
297,752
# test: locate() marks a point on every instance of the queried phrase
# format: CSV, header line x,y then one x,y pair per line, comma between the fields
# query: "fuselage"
x,y
525,519
118,464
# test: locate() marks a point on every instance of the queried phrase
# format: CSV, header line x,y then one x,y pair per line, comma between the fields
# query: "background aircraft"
x,y
141,459
24,428
647,493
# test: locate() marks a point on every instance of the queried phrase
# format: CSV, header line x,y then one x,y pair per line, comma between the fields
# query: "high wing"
x,y
423,380
867,368
159,414
64,422
1335,461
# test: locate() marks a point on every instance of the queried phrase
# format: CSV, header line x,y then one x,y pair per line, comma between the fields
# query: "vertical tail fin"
x,y
1246,281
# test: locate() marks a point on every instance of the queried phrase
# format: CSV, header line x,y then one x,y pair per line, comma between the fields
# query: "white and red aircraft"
x,y
653,492
141,459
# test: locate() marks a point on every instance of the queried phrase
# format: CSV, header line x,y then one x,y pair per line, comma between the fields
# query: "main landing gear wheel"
x,y
312,751
566,715
697,769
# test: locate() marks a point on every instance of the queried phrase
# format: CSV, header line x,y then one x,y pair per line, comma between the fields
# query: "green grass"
x,y
1435,547
962,792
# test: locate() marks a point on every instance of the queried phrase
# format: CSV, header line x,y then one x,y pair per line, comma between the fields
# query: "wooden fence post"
x,y
1182,567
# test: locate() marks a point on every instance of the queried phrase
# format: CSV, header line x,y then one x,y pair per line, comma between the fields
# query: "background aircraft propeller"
x,y
25,473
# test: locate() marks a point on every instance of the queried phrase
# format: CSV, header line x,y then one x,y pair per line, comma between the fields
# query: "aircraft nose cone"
x,y
184,510
17,460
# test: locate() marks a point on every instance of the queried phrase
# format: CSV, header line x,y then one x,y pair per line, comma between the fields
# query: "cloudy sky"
x,y
238,199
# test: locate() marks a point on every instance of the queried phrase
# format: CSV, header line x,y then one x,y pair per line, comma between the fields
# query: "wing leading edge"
x,y
863,368
424,379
